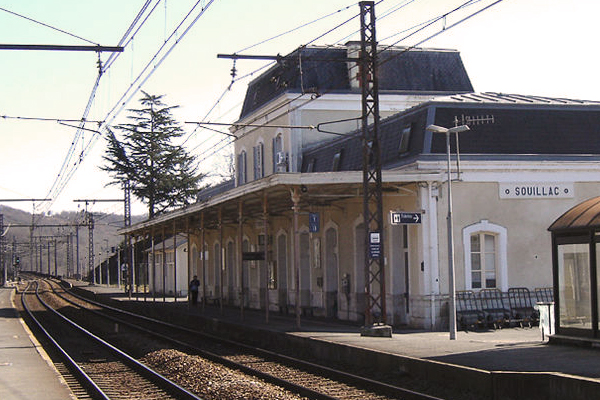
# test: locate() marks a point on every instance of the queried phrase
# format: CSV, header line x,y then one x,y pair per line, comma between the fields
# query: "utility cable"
x,y
234,79
112,114
396,55
296,28
95,137
79,134
126,39
396,42
384,15
433,21
441,31
44,119
49,26
281,106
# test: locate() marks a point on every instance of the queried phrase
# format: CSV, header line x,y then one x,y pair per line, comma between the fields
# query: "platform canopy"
x,y
576,261
584,216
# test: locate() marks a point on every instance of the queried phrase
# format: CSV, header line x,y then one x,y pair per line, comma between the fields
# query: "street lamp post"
x,y
451,284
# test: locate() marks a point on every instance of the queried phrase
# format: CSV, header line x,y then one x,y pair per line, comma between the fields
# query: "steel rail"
x,y
302,390
81,376
348,378
163,382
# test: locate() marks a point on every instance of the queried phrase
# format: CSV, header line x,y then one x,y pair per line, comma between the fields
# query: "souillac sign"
x,y
536,190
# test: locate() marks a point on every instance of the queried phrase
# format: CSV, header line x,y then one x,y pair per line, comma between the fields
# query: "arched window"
x,y
485,256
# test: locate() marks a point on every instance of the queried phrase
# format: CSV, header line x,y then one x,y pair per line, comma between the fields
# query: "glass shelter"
x,y
575,259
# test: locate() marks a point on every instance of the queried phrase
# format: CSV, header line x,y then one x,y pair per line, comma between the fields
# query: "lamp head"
x,y
459,129
436,129
441,129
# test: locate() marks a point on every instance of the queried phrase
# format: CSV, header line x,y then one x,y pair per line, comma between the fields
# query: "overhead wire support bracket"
x,y
237,126
3,200
319,125
113,49
280,58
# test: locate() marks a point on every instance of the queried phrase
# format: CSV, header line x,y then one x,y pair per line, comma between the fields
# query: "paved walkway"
x,y
25,370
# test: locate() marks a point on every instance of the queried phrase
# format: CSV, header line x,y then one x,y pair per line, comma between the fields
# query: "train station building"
x,y
287,233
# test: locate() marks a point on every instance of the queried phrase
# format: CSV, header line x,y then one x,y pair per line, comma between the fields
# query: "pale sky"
x,y
532,47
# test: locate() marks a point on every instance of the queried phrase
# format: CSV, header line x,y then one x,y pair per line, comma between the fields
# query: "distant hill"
x,y
17,224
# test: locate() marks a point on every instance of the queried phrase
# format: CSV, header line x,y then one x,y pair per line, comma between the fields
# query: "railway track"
x,y
305,378
103,370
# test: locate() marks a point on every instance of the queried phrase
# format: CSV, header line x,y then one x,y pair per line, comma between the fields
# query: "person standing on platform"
x,y
194,285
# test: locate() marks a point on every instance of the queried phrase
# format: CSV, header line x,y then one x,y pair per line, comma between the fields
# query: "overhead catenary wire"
x,y
387,13
124,99
321,35
297,28
432,21
46,119
236,79
445,29
290,100
63,177
126,39
400,53
217,103
48,26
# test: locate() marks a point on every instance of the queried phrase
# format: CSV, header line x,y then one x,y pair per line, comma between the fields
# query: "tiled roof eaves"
x,y
513,157
488,99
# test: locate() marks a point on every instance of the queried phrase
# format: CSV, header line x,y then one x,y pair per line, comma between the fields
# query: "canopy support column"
x,y
296,210
240,252
266,255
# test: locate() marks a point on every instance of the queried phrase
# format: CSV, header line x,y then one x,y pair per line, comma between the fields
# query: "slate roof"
x,y
206,193
168,243
414,70
525,127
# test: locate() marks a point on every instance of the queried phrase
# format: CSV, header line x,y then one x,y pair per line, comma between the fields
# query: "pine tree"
x,y
161,175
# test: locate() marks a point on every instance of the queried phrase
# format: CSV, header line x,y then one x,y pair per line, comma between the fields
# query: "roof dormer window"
x,y
405,134
337,158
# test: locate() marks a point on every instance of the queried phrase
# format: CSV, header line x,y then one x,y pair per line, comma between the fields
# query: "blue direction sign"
x,y
405,218
314,222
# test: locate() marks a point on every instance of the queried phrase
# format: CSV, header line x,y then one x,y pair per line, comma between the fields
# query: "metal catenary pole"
x,y
372,194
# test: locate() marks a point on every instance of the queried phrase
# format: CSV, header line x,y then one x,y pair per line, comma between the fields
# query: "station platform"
x,y
26,371
492,359
498,364
509,349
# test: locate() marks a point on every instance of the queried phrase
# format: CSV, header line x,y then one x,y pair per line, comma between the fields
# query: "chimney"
x,y
353,51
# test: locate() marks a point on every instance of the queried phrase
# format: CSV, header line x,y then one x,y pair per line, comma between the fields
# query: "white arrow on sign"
x,y
405,218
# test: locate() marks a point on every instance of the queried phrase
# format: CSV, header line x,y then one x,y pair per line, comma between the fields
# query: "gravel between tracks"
x,y
212,381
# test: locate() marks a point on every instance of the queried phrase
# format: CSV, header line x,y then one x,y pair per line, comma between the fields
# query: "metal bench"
x,y
544,295
521,307
494,311
468,312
